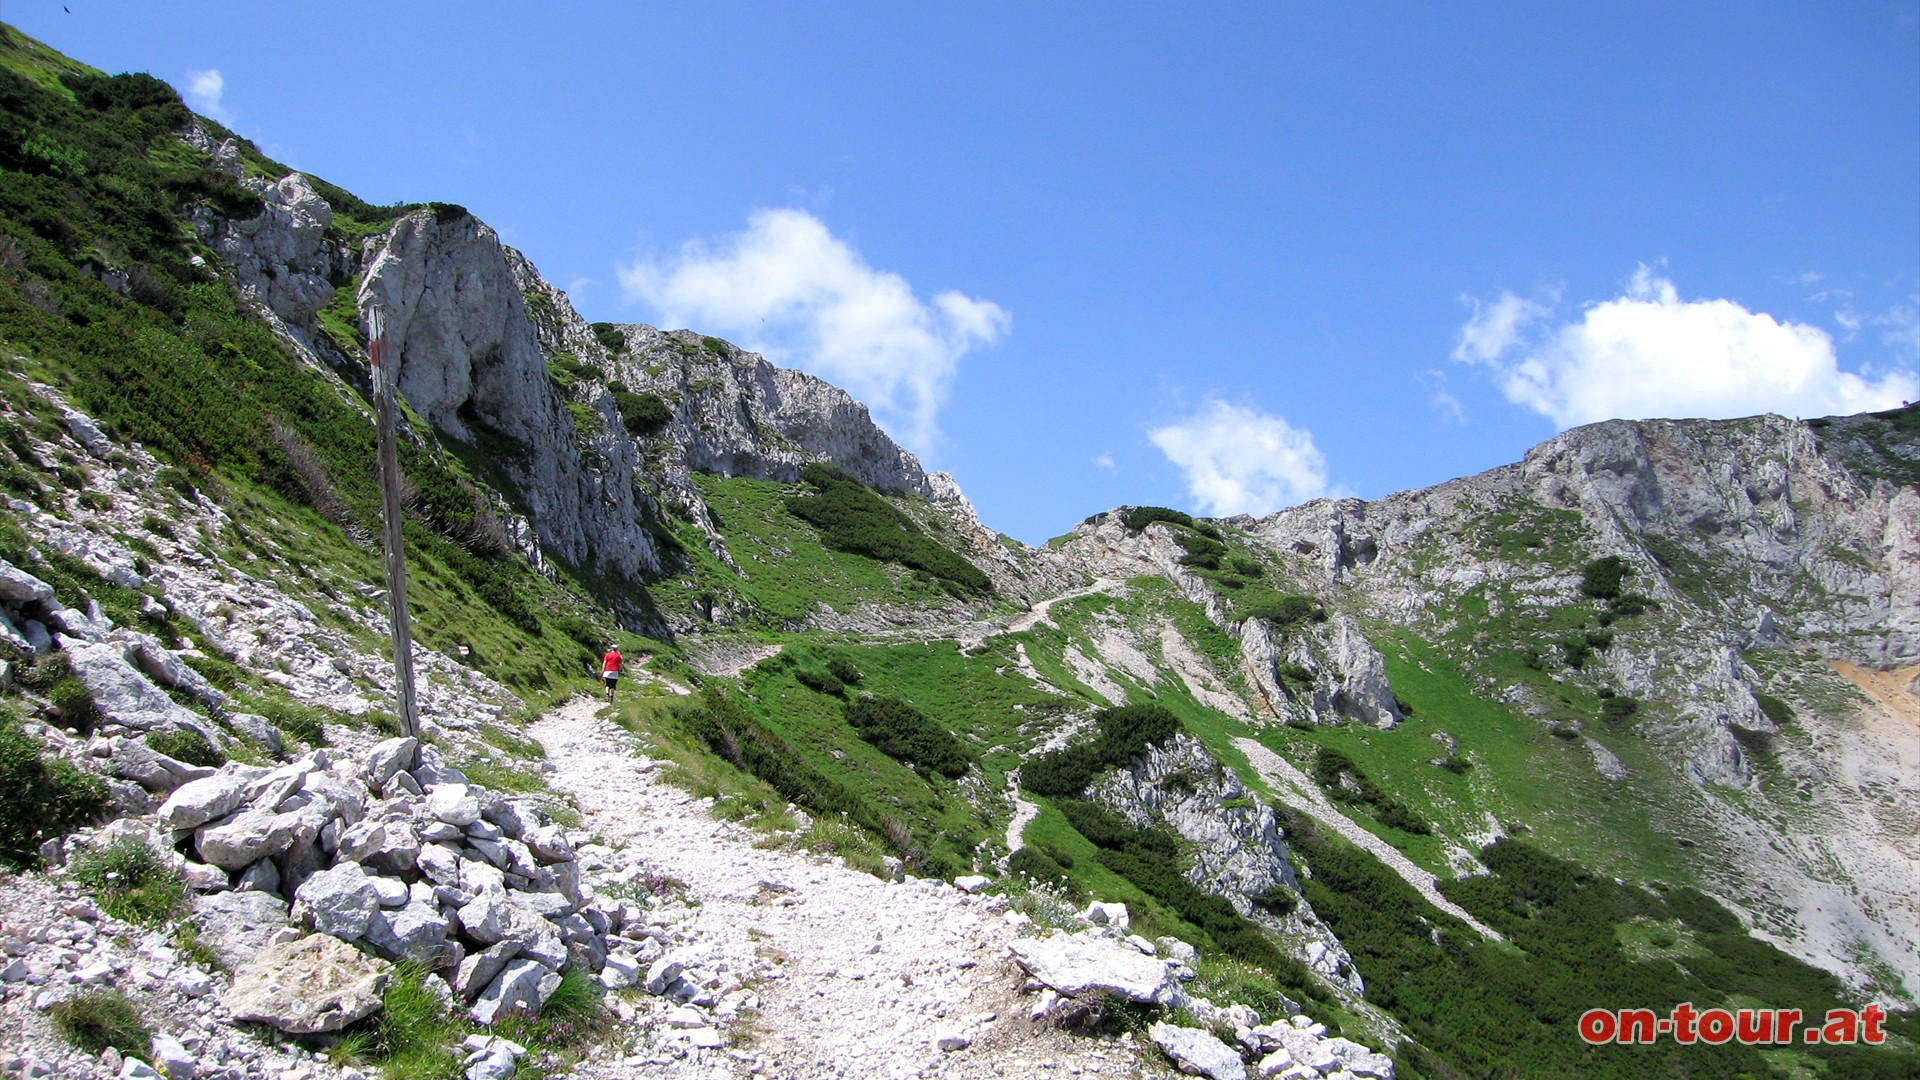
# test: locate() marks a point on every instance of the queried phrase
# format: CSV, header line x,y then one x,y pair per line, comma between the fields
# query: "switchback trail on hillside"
x,y
855,977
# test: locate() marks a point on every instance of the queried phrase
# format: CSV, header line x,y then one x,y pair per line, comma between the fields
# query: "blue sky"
x,y
1215,256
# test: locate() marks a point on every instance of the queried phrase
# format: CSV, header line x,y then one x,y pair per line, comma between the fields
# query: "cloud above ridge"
x,y
1648,353
205,90
786,287
1238,460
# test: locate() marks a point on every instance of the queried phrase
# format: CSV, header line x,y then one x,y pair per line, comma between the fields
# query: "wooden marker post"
x,y
386,376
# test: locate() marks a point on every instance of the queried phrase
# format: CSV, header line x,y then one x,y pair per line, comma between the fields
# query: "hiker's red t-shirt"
x,y
610,663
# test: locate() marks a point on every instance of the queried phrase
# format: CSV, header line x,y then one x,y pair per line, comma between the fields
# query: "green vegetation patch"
x,y
99,1019
644,414
1468,1003
1120,735
1344,781
851,517
904,733
133,882
41,797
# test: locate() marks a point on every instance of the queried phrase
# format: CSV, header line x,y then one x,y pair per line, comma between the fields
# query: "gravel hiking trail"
x,y
855,977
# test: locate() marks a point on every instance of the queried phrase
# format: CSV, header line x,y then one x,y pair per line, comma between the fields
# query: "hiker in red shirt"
x,y
610,669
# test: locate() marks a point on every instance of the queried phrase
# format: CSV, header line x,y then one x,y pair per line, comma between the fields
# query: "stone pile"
x,y
409,864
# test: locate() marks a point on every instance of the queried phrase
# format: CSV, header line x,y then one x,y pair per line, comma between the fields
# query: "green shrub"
x,y
1617,709
1033,863
1120,735
729,730
644,415
567,370
1140,517
902,732
1575,650
1201,551
1627,605
852,518
1603,577
611,336
1246,567
842,668
820,681
73,703
101,1018
40,797
1776,710
133,882
190,747
1285,609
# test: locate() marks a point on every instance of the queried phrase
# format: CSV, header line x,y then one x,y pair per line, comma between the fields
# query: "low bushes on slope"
x,y
1474,1007
1120,735
95,184
729,729
1344,781
904,733
852,518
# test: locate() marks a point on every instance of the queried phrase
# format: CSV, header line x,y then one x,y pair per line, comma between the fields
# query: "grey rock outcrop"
x,y
316,984
1077,964
1198,1052
522,986
237,925
1239,851
474,359
736,414
125,696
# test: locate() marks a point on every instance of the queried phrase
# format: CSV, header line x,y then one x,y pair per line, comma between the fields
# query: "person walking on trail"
x,y
610,669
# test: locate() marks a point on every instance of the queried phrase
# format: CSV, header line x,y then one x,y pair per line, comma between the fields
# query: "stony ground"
x,y
852,976
54,941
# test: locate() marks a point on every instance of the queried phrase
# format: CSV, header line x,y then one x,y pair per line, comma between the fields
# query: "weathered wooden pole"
x,y
386,376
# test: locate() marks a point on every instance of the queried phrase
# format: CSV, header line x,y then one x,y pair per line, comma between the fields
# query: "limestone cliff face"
x,y
1749,522
733,413
737,415
1238,848
474,329
472,356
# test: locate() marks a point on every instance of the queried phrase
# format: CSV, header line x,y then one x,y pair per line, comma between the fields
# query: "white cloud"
x,y
1496,327
1902,323
787,287
1105,461
1442,399
1649,353
1238,460
204,91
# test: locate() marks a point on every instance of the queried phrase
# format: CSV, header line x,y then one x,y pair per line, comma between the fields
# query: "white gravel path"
x,y
856,977
1024,811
